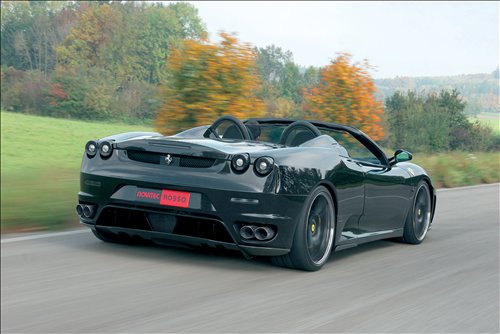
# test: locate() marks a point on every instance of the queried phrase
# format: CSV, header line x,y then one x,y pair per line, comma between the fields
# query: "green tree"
x,y
433,122
271,61
30,31
283,81
132,41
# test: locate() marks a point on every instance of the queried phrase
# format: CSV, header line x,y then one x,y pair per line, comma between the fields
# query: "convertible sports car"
x,y
291,190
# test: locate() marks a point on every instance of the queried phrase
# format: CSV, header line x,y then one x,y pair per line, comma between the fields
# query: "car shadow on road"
x,y
361,250
210,257
178,254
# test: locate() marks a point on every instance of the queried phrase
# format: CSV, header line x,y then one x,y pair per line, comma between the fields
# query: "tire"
x,y
314,235
419,217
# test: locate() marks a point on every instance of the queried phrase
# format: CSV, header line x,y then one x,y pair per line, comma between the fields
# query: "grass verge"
x,y
40,165
455,169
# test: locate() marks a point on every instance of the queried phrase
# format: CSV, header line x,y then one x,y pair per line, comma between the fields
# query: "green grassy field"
x,y
489,119
40,162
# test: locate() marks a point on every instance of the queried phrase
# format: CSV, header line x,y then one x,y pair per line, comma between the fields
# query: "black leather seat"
x,y
232,132
301,137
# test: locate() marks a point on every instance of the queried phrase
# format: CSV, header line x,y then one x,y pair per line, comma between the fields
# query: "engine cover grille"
x,y
170,159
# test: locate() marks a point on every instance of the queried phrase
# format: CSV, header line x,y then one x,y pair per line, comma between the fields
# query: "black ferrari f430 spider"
x,y
291,190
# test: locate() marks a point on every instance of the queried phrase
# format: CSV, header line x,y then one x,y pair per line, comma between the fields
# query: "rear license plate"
x,y
175,198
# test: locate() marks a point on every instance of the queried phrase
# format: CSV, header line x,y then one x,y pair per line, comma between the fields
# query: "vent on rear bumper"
x,y
176,160
192,226
124,218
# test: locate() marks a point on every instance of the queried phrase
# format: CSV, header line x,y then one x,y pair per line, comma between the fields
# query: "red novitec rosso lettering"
x,y
147,194
175,198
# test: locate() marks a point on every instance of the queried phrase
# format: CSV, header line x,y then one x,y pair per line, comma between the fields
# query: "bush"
x,y
24,91
137,100
83,95
92,95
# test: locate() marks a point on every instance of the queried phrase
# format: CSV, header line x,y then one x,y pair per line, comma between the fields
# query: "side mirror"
x,y
400,156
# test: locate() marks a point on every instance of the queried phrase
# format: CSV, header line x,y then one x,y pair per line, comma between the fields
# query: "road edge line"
x,y
42,236
469,187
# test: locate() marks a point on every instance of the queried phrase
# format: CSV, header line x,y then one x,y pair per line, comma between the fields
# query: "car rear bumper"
x,y
213,217
170,239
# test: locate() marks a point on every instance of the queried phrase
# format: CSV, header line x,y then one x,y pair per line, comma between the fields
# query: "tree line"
x,y
479,91
90,60
434,122
135,61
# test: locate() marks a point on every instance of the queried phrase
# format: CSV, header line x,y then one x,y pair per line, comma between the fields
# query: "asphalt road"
x,y
76,283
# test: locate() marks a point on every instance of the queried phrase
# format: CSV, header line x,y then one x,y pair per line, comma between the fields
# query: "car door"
x,y
349,183
386,194
387,199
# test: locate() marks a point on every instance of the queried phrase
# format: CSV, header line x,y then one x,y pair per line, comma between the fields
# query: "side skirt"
x,y
349,240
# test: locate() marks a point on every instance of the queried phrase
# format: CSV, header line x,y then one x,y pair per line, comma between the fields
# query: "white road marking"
x,y
470,187
42,236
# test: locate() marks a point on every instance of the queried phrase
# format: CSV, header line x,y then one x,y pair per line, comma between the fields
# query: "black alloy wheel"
x,y
318,228
419,217
314,236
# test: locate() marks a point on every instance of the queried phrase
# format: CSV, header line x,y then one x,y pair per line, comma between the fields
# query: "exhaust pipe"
x,y
85,211
247,231
88,211
79,210
264,233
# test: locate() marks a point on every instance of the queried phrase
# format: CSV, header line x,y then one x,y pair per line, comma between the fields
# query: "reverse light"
x,y
91,148
240,162
263,165
106,149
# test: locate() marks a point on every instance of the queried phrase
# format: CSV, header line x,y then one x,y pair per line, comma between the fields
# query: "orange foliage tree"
x,y
87,43
207,80
345,95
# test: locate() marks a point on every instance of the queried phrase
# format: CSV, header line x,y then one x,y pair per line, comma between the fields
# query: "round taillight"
x,y
263,165
240,162
91,148
105,149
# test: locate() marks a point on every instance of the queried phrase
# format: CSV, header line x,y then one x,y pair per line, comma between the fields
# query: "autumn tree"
x,y
345,94
131,41
207,80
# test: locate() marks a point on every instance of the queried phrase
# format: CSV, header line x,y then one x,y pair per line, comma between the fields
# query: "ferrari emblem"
x,y
168,159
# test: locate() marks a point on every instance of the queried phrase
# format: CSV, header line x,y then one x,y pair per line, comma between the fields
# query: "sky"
x,y
398,38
